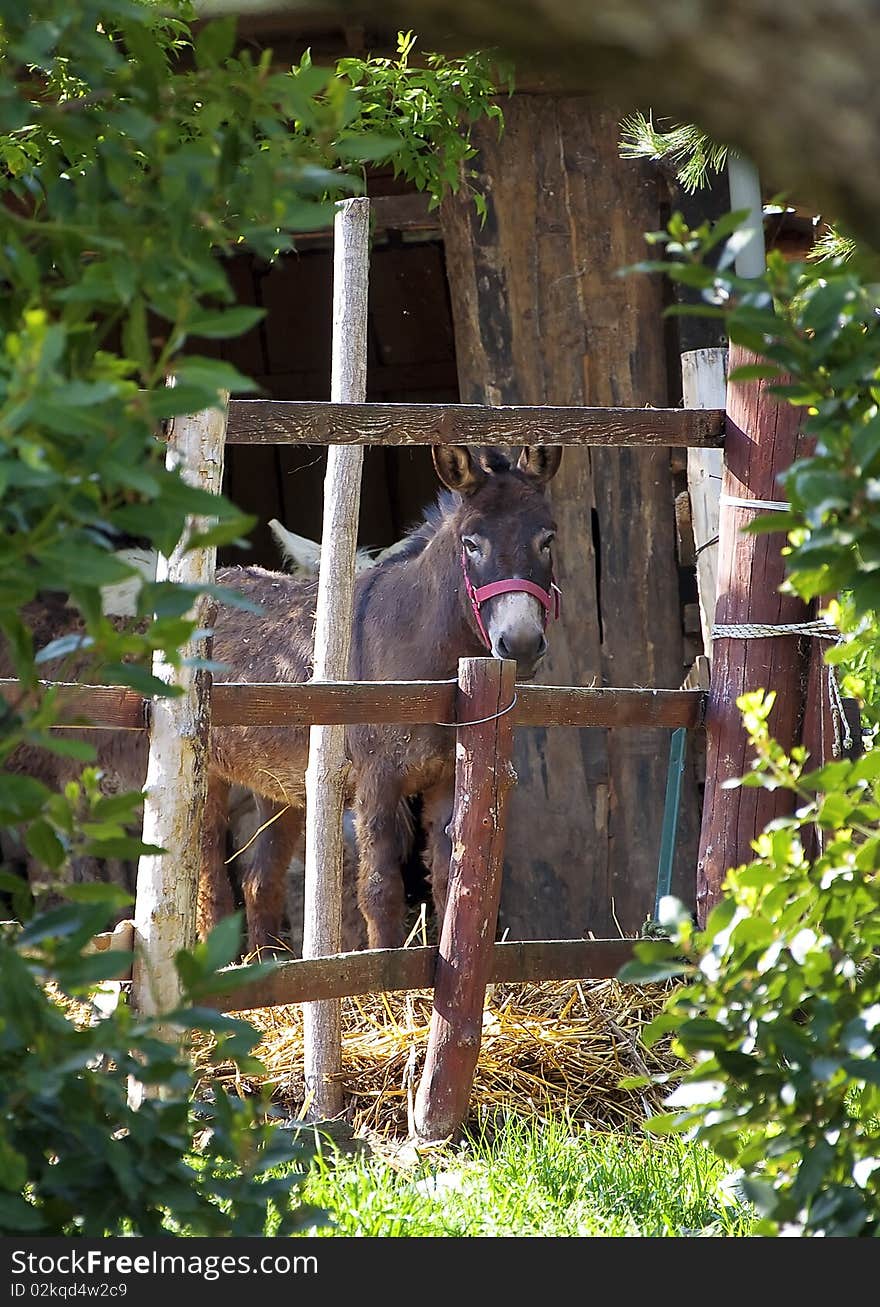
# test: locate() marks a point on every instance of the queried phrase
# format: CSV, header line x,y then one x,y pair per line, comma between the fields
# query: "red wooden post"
x,y
762,440
483,778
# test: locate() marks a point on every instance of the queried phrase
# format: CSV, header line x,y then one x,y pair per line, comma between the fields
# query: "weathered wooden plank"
x,y
433,701
300,422
386,971
703,373
350,702
552,705
90,707
483,780
331,703
542,318
275,704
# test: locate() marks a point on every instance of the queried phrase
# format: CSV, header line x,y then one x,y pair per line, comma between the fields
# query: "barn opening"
x,y
411,359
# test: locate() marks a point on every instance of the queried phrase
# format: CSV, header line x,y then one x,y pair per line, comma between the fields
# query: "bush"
x,y
780,1019
76,1158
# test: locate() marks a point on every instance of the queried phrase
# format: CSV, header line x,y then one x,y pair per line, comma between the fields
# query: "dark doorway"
x,y
411,359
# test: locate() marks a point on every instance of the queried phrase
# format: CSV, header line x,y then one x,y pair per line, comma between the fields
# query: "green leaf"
x,y
753,372
86,972
64,645
120,848
226,323
367,146
21,798
645,973
11,883
20,643
44,845
123,807
138,678
215,42
98,892
17,1214
224,942
68,922
232,978
866,447
135,336
210,376
224,533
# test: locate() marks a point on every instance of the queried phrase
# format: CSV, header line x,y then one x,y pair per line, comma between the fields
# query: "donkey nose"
x,y
525,647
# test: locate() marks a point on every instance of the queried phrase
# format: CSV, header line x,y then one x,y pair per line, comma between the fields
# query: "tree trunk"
x,y
763,439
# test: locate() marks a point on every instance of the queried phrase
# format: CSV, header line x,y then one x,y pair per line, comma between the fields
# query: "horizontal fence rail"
x,y
374,702
302,422
381,971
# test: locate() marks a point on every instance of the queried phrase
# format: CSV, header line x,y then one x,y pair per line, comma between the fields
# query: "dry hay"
x,y
550,1049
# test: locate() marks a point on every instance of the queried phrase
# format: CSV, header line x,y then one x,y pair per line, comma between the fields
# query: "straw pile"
x,y
547,1049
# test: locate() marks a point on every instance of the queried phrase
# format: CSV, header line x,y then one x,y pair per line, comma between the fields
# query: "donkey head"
x,y
505,532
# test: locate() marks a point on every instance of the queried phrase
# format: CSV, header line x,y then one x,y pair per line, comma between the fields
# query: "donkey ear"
x,y
540,462
457,468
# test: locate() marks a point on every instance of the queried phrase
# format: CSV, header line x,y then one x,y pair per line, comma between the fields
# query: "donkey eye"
x,y
547,540
471,545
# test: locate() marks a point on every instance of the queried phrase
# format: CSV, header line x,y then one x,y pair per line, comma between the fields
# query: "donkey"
x,y
476,575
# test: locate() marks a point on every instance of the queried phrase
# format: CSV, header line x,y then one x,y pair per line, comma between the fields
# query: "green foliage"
x,y
857,659
832,243
780,1016
75,1157
424,110
687,149
815,332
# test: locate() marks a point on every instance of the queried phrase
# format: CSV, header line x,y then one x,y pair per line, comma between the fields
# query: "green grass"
x,y
529,1178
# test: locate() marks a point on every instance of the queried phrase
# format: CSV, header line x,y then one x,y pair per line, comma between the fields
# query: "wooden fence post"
x,y
483,778
762,440
327,769
167,884
703,383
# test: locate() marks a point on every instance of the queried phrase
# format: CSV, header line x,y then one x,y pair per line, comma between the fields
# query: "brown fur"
x,y
412,621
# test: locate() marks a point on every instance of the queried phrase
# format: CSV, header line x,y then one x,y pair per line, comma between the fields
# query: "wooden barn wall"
x,y
542,318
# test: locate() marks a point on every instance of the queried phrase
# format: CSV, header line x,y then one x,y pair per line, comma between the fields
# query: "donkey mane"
x,y
420,535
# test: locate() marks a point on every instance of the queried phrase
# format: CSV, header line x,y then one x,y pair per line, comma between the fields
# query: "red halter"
x,y
479,595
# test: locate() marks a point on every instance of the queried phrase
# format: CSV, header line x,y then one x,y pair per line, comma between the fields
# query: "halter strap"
x,y
478,595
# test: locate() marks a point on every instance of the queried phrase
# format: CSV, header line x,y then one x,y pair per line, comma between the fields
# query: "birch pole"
x,y
327,769
167,883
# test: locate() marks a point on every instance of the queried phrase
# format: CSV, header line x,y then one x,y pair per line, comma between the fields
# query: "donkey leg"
x,y
436,817
263,881
215,899
380,836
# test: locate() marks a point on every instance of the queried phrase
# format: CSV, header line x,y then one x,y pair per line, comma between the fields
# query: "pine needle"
x,y
686,148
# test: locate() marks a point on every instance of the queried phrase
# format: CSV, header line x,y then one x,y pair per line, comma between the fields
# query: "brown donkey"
x,y
475,576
